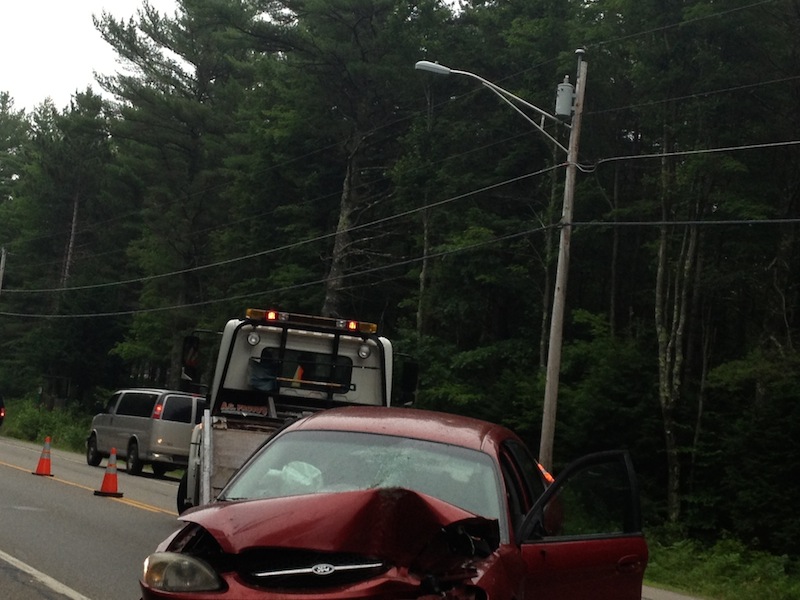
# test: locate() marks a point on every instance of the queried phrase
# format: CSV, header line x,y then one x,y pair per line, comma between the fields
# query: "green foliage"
x,y
607,392
754,414
727,570
27,419
13,135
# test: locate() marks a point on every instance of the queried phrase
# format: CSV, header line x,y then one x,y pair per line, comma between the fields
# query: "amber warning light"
x,y
257,314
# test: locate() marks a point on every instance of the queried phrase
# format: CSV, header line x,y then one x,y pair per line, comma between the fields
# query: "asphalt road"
x,y
649,593
58,540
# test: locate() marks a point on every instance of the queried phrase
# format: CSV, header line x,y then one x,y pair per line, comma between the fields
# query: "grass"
x,y
728,570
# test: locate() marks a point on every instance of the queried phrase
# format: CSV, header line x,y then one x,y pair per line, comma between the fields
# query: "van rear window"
x,y
177,408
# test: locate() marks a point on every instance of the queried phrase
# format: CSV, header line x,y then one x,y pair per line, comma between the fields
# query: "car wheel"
x,y
132,463
182,487
93,457
159,470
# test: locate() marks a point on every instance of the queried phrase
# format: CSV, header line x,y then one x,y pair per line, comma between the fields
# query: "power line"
x,y
687,223
293,244
691,152
410,212
409,261
393,265
682,23
696,95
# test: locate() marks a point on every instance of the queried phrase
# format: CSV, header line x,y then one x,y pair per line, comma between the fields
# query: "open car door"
x,y
582,539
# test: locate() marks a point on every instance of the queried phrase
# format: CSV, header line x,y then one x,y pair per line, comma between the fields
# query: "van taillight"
x,y
2,413
158,410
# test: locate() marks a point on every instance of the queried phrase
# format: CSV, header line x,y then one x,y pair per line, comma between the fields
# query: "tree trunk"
x,y
426,223
665,365
670,322
423,275
333,303
673,282
73,228
612,284
707,335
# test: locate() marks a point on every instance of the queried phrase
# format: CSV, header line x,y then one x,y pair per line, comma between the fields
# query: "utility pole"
x,y
569,106
562,272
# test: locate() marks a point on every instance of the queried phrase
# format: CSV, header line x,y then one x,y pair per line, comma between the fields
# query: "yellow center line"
x,y
133,503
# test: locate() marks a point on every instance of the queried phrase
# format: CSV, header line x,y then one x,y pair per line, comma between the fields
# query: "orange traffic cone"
x,y
43,468
109,486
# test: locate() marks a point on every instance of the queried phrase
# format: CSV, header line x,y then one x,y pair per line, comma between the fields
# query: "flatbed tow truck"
x,y
272,368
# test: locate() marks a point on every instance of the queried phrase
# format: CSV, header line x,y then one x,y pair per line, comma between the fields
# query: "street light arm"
x,y
505,96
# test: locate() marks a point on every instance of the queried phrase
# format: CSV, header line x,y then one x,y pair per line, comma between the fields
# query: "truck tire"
x,y
133,465
93,456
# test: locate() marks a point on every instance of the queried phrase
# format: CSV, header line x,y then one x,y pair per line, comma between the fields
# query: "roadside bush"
x,y
728,570
27,420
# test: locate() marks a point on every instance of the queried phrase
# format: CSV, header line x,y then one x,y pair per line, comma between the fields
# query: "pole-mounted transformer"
x,y
565,99
565,94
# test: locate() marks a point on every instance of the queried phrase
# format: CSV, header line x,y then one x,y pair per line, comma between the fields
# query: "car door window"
x,y
583,539
515,495
137,404
522,480
597,500
528,470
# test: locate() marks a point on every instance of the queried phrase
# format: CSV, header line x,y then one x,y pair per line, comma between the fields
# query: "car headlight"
x,y
171,572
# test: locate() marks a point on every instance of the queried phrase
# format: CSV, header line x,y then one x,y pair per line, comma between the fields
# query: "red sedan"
x,y
398,503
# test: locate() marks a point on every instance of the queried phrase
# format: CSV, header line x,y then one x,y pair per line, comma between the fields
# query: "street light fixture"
x,y
562,267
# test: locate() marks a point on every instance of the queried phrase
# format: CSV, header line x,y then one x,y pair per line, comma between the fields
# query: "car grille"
x,y
293,569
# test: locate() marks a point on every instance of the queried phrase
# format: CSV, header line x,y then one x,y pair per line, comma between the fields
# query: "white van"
x,y
146,426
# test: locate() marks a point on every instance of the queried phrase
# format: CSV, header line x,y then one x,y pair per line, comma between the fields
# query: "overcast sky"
x,y
50,48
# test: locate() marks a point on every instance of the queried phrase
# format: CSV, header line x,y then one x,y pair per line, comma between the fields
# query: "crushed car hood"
x,y
395,524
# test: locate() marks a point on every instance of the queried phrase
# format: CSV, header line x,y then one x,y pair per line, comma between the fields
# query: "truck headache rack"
x,y
299,360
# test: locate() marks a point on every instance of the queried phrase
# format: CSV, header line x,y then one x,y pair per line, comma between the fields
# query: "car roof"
x,y
420,424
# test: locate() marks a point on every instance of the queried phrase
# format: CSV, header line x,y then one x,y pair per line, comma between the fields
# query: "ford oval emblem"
x,y
323,569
